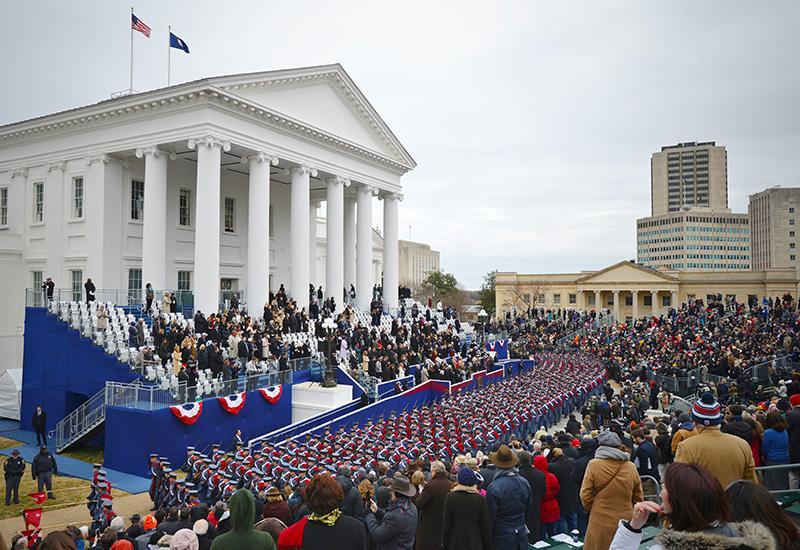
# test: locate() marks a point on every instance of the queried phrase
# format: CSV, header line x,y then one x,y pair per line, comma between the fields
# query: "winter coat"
x,y
347,533
430,505
728,457
395,528
550,512
682,435
793,419
509,502
647,459
352,504
242,534
739,428
610,488
731,536
466,524
537,481
278,509
561,467
664,445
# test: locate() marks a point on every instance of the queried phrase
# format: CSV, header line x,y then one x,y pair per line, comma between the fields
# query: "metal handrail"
x,y
80,421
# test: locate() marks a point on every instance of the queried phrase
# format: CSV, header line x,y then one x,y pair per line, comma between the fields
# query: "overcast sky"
x,y
532,122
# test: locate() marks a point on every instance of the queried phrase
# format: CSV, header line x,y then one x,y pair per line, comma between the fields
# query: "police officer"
x,y
42,470
13,470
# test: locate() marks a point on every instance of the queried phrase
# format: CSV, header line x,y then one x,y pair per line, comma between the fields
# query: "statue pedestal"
x,y
310,399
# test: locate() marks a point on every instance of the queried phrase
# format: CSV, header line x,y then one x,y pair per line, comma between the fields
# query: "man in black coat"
x,y
568,498
40,425
586,453
43,467
536,480
793,419
352,504
573,426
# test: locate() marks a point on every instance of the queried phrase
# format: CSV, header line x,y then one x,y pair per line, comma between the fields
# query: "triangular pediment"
x,y
324,97
627,272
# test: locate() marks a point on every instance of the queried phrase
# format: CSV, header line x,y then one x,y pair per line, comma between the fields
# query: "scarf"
x,y
328,519
611,452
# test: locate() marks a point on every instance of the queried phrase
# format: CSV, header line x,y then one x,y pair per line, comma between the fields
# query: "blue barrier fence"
x,y
387,388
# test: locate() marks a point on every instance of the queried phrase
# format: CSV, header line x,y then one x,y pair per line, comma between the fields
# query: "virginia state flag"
x,y
177,43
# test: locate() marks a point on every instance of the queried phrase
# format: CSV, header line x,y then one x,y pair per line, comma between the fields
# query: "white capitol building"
x,y
211,184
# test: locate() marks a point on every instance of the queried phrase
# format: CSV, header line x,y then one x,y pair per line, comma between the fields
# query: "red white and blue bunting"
x,y
272,394
232,403
188,413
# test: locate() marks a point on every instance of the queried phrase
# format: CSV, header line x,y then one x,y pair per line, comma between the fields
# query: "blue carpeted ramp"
x,y
72,467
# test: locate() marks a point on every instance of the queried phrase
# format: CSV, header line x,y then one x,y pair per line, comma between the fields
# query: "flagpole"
x,y
130,24
169,53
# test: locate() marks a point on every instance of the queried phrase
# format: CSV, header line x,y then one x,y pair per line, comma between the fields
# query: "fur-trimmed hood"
x,y
749,534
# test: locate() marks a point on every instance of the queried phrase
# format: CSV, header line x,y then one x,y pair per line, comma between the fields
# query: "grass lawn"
x,y
67,490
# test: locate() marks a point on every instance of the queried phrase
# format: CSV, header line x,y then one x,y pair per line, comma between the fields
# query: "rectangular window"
x,y
76,284
591,300
185,208
184,280
791,233
38,297
230,215
4,207
791,221
791,210
134,286
666,301
540,298
648,300
556,298
791,245
628,300
38,202
77,198
137,200
791,257
573,299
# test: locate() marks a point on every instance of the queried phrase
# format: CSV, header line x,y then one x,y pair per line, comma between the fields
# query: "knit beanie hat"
x,y
707,411
608,439
466,476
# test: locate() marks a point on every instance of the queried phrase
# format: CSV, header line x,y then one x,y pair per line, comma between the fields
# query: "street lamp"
x,y
329,378
482,315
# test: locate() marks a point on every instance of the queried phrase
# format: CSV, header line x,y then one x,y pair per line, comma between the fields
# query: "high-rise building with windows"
x,y
773,215
687,175
690,226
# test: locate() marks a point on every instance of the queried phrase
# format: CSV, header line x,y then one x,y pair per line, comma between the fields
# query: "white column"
x,y
207,223
349,242
299,237
674,300
616,305
635,295
364,248
154,223
598,305
654,302
313,209
258,232
334,239
391,259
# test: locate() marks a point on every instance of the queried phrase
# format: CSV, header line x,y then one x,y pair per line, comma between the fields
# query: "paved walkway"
x,y
53,520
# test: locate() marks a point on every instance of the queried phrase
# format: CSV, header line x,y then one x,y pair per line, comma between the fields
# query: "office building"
x,y
773,217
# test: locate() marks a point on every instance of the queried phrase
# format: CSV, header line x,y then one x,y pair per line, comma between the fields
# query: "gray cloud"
x,y
532,122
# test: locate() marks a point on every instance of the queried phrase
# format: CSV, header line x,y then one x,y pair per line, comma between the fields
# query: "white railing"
x,y
80,422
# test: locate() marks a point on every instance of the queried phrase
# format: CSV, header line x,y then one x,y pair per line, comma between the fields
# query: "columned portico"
x,y
154,228
334,239
258,230
298,227
349,242
207,223
364,248
391,259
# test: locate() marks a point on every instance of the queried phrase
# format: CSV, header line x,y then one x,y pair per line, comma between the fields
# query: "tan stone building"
x,y
416,261
690,174
773,215
630,290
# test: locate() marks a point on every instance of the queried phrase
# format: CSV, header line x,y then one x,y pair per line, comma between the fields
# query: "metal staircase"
x,y
81,421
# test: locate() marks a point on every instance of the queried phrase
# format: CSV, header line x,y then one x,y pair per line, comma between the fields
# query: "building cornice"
x,y
205,92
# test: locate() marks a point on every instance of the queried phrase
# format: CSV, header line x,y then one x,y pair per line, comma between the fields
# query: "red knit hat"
x,y
794,399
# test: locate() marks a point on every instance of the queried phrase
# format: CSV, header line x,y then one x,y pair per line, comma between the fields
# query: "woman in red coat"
x,y
550,512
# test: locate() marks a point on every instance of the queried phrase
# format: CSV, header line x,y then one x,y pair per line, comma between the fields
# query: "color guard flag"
x,y
32,516
139,25
38,498
177,43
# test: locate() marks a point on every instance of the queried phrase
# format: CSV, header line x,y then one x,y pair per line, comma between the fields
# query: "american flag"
x,y
139,25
